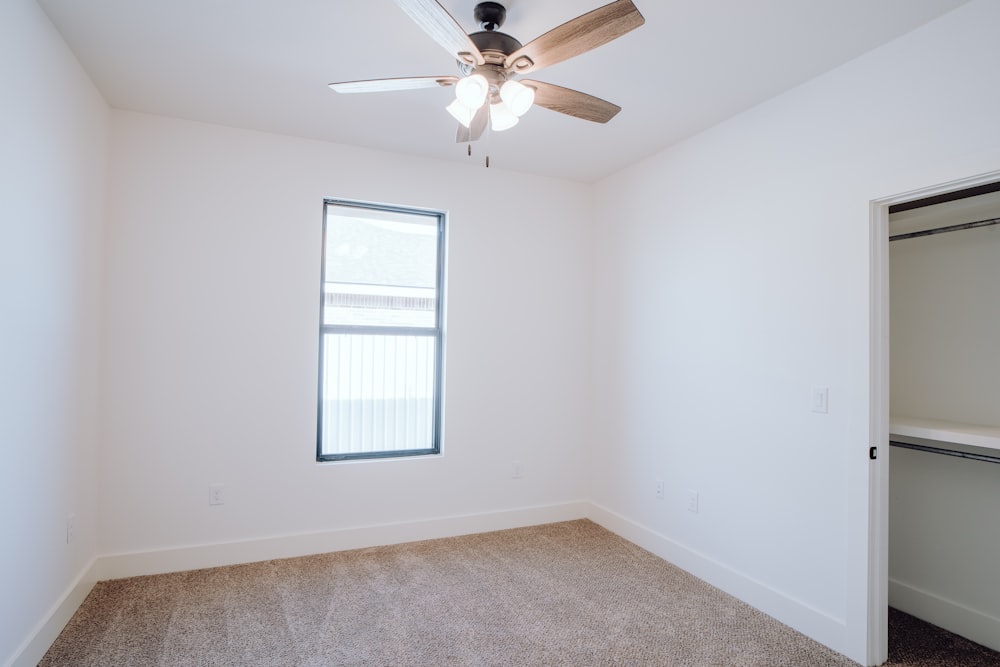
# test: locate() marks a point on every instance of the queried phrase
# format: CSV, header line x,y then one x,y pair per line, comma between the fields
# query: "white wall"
x,y
733,277
213,262
944,511
52,168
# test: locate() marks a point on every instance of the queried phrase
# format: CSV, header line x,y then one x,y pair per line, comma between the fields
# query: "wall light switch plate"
x,y
821,399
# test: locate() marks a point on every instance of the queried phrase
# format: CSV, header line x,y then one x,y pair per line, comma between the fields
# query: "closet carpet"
x,y
915,643
568,593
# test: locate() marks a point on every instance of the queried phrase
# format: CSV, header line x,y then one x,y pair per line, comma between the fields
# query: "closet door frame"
x,y
878,477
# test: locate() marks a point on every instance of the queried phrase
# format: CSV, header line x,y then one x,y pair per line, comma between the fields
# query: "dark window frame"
x,y
436,332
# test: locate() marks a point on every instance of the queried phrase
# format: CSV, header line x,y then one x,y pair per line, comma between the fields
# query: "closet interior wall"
x,y
944,511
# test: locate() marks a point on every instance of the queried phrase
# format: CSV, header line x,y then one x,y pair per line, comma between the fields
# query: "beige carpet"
x,y
562,594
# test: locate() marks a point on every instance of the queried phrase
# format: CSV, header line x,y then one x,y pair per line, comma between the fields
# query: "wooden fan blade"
x,y
572,102
385,85
578,36
476,127
443,29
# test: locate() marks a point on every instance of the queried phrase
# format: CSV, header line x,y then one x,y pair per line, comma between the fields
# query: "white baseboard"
x,y
953,616
45,632
822,627
118,566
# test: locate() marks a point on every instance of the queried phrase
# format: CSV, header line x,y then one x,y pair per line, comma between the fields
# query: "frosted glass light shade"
x,y
501,118
461,113
517,96
472,90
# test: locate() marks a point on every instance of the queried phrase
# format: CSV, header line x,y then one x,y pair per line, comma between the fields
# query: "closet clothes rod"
x,y
946,452
950,228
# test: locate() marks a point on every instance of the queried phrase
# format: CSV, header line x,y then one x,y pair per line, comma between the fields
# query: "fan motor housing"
x,y
495,46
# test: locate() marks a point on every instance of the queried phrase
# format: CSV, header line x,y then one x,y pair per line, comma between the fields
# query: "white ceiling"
x,y
264,65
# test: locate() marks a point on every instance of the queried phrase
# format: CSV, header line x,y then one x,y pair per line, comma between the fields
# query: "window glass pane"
x,y
377,393
380,332
380,268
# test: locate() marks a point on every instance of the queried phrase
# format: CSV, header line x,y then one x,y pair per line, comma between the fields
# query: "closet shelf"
x,y
945,431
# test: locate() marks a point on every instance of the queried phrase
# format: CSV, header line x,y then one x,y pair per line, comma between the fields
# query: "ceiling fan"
x,y
488,91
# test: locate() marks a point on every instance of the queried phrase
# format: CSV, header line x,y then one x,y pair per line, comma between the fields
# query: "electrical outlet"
x,y
692,501
70,528
216,494
659,489
515,470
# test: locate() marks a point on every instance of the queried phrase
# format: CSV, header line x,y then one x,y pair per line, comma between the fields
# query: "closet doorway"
x,y
936,410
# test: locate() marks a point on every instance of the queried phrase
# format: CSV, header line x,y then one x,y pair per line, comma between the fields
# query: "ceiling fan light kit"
x,y
487,93
508,101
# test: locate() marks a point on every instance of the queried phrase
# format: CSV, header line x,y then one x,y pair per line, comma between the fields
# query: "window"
x,y
381,343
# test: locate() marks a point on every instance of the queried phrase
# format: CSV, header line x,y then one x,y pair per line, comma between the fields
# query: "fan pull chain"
x,y
468,151
487,136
